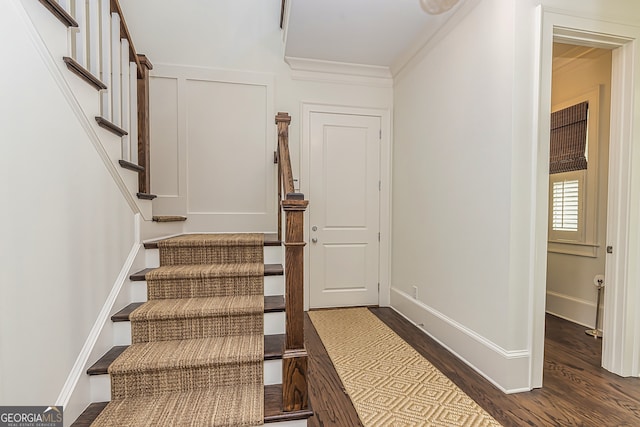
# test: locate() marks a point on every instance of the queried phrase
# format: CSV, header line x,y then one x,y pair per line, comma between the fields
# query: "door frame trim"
x,y
621,345
384,261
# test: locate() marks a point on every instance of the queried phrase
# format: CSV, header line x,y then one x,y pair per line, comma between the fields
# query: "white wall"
x,y
66,232
570,290
237,42
466,222
453,122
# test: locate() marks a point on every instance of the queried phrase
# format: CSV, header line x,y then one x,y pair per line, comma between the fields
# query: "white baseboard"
x,y
573,309
507,370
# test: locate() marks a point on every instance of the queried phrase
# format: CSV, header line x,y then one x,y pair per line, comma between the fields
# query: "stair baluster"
x,y
102,53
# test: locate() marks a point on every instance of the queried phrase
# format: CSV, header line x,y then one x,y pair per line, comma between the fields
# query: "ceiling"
x,y
565,54
371,34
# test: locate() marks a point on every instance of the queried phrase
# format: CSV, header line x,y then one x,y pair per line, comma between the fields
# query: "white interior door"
x,y
344,194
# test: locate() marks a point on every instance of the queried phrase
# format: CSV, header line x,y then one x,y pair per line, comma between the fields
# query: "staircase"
x,y
196,331
220,284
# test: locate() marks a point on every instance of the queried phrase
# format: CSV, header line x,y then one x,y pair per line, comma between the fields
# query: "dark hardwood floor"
x,y
576,391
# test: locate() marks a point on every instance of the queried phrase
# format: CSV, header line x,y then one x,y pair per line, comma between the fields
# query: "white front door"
x,y
344,194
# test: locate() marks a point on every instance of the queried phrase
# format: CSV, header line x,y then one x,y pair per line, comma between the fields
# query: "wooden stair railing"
x,y
295,395
103,54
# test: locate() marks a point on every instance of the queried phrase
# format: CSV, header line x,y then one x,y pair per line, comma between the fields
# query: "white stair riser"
x,y
100,388
273,285
101,384
138,291
296,423
272,255
152,258
274,324
273,372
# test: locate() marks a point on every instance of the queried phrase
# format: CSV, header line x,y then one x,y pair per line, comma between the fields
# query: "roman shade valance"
x,y
569,139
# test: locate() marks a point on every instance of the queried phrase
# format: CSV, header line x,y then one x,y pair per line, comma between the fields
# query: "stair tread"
x,y
146,196
272,409
200,407
102,365
168,218
196,352
83,73
273,349
270,239
123,315
183,271
272,303
131,166
90,413
60,13
182,308
111,127
269,270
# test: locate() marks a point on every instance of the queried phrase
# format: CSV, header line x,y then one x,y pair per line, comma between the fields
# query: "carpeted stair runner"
x,y
198,345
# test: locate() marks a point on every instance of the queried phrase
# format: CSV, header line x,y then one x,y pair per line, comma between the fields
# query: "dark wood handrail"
x,y
124,33
294,361
143,65
283,120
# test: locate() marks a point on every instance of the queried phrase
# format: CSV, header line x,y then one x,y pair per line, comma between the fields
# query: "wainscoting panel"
x,y
163,97
214,155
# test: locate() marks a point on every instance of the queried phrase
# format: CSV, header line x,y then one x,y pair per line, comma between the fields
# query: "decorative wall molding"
x,y
506,369
179,191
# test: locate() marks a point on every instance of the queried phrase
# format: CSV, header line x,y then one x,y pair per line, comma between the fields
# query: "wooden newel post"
x,y
294,362
295,396
144,138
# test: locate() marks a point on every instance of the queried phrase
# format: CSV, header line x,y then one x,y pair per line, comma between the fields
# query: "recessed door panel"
x,y
344,211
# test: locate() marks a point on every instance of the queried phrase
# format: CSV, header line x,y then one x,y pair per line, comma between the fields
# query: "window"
x,y
573,177
565,205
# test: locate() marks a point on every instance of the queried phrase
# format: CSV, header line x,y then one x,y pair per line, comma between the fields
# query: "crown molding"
x,y
334,67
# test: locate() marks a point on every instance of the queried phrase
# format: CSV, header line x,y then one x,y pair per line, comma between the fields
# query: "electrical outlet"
x,y
415,292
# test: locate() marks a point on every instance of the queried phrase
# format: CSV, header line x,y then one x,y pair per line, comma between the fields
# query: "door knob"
x,y
314,228
314,240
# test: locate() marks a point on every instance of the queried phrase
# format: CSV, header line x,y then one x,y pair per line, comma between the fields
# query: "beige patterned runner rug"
x,y
389,383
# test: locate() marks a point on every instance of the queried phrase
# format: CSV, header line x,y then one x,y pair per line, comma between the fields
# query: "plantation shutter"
x,y
565,205
569,139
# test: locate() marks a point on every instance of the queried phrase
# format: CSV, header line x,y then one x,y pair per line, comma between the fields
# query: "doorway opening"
x,y
578,184
621,322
